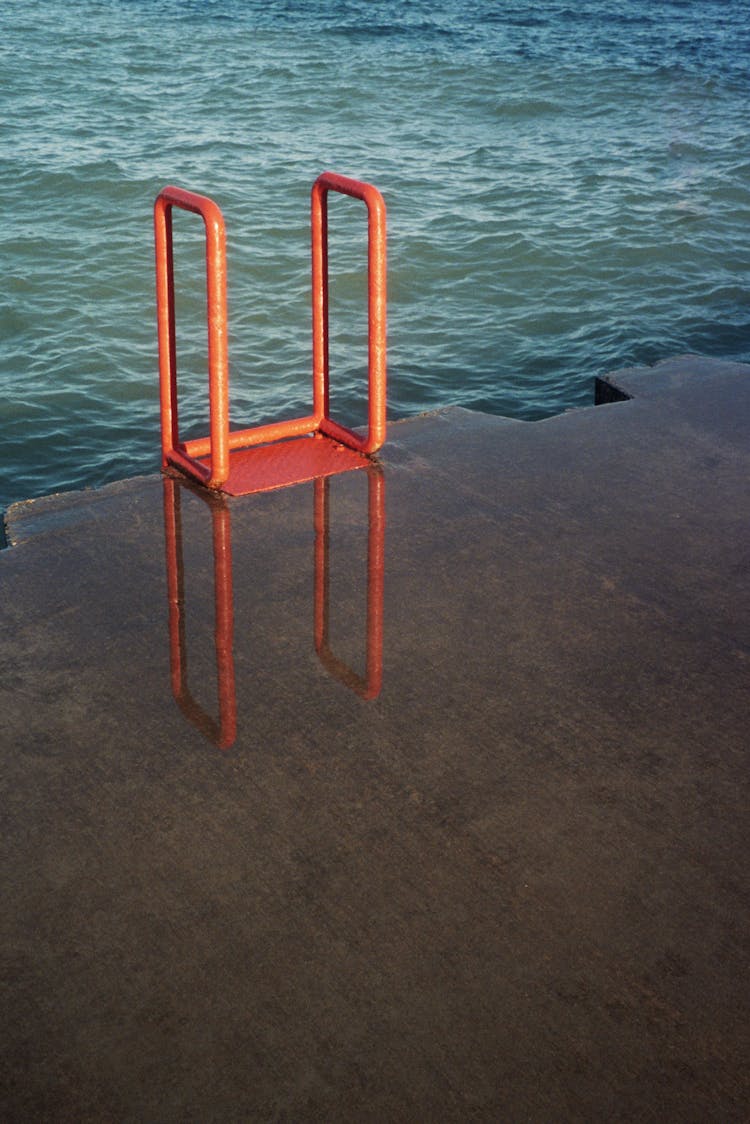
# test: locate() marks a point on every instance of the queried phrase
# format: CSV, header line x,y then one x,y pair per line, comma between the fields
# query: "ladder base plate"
x,y
262,468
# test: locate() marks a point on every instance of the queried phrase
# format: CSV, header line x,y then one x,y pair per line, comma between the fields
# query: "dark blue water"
x,y
568,188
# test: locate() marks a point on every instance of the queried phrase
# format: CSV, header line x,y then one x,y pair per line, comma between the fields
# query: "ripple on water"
x,y
568,191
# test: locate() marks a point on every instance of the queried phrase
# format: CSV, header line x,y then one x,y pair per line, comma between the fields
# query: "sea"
x,y
567,185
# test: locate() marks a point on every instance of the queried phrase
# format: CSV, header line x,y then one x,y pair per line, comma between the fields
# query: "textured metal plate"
x,y
265,467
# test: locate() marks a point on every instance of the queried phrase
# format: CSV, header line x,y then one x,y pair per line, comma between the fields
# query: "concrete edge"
x,y
673,377
60,511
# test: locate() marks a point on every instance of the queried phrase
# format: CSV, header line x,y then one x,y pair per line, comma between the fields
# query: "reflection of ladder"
x,y
263,457
222,730
369,684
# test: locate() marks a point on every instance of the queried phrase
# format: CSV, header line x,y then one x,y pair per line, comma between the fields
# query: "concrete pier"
x,y
421,795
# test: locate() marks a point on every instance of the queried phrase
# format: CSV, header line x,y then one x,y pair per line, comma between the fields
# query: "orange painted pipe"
x,y
376,310
216,447
218,356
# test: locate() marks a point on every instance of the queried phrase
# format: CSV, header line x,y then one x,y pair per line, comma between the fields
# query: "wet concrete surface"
x,y
421,794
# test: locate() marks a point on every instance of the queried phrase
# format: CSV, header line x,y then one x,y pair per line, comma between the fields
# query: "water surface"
x,y
568,189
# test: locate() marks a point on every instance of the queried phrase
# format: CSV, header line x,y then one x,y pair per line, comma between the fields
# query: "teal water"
x,y
568,188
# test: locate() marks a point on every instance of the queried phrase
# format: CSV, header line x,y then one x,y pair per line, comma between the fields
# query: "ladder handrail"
x,y
376,309
219,443
218,353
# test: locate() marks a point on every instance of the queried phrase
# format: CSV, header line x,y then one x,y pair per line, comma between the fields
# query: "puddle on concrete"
x,y
373,793
361,627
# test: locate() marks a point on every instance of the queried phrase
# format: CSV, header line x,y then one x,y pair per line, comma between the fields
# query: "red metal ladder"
x,y
262,457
